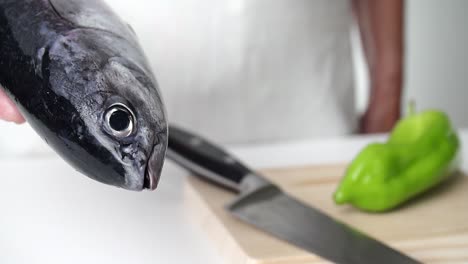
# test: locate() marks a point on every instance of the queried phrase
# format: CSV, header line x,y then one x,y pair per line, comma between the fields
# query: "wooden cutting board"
x,y
432,228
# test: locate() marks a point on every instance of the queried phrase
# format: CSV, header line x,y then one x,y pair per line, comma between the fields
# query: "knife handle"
x,y
205,159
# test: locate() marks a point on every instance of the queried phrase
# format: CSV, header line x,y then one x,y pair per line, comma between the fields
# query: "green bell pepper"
x,y
422,150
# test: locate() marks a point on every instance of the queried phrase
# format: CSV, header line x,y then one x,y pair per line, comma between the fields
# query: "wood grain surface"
x,y
433,228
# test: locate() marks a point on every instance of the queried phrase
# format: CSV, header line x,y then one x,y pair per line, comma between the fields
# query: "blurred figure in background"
x,y
241,71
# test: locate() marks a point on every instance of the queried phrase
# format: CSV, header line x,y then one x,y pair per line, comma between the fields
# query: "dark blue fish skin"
x,y
64,63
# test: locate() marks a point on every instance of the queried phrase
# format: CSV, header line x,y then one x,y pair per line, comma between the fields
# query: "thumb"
x,y
8,110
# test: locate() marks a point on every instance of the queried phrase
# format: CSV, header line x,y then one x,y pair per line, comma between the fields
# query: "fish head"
x,y
114,127
127,120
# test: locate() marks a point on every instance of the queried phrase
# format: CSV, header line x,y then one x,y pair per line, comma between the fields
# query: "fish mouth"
x,y
154,167
151,181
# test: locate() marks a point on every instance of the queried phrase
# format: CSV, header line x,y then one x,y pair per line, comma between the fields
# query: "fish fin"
x,y
42,61
132,30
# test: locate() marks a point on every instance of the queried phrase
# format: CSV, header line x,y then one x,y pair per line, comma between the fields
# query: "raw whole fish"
x,y
80,78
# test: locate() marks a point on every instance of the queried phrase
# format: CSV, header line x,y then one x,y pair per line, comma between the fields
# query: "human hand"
x,y
378,120
383,111
8,110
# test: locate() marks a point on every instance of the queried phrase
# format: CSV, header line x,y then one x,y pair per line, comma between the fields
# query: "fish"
x,y
79,76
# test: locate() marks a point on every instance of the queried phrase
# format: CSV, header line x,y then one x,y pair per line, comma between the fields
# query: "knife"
x,y
262,204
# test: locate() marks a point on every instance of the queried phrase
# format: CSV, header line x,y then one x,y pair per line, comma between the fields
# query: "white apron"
x,y
241,71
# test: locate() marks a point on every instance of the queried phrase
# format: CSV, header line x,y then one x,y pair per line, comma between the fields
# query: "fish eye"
x,y
120,120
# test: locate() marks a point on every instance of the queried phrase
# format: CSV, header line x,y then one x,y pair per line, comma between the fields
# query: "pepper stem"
x,y
411,107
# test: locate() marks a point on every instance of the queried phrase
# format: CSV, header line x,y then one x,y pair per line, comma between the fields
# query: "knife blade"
x,y
262,204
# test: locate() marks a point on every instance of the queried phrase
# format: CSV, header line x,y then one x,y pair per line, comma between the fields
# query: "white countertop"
x,y
51,214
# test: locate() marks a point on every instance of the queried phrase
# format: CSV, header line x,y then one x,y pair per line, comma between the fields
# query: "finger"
x,y
8,110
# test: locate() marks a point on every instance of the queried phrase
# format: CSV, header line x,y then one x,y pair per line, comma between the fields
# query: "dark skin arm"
x,y
381,25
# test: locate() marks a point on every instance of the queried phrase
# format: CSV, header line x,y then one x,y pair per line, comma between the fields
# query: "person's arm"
x,y
8,110
381,24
